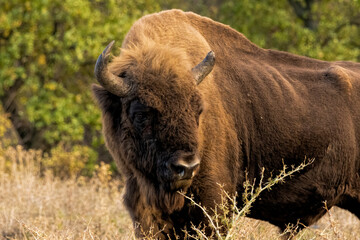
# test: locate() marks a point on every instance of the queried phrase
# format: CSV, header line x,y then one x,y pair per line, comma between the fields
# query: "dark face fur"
x,y
159,147
162,139
152,131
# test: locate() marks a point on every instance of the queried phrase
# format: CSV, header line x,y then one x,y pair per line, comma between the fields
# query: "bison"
x,y
176,121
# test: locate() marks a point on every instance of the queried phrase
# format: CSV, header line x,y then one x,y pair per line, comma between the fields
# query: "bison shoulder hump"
x,y
338,76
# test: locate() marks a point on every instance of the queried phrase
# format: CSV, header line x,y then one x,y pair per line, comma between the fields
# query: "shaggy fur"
x,y
256,109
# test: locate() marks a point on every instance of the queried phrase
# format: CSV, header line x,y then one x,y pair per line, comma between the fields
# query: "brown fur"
x,y
259,107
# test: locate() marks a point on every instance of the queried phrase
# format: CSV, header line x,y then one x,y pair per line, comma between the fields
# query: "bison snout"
x,y
185,169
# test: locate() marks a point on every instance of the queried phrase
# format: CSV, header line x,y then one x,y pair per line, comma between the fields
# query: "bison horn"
x,y
112,83
201,70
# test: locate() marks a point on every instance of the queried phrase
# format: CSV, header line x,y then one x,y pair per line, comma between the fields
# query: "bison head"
x,y
151,111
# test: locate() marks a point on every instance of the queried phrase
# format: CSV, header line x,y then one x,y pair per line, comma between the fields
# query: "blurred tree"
x,y
209,8
303,10
323,29
48,50
47,53
8,135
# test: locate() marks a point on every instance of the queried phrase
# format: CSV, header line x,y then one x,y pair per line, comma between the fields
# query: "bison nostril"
x,y
184,167
184,171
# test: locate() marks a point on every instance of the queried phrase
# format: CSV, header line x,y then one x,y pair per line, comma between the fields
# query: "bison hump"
x,y
338,76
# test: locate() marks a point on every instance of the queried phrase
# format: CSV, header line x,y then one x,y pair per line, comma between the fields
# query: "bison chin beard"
x,y
156,183
157,196
171,201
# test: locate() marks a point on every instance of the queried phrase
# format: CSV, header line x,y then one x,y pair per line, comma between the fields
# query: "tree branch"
x,y
304,12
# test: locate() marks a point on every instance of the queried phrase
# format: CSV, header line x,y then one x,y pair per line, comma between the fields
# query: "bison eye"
x,y
122,75
138,112
142,119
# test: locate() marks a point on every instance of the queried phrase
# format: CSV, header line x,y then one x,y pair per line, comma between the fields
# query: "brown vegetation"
x,y
41,206
44,207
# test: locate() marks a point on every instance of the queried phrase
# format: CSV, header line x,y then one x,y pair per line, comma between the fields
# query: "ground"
x,y
41,206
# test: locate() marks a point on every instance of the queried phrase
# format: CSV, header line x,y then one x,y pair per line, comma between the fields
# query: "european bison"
x,y
173,122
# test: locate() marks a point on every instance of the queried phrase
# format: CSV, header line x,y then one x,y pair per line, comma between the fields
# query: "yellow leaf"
x,y
51,86
78,98
42,59
6,33
28,6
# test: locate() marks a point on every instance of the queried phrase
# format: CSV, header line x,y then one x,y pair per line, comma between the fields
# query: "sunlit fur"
x,y
261,108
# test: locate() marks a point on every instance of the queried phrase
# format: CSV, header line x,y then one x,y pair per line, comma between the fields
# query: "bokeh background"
x,y
48,50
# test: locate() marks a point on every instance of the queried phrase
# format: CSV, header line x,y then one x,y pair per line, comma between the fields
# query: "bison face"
x,y
156,143
166,142
151,110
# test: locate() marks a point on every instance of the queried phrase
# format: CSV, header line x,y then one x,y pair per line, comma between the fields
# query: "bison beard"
x,y
160,198
165,107
158,188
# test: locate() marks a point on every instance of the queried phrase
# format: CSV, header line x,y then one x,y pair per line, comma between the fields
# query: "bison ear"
x,y
201,70
104,98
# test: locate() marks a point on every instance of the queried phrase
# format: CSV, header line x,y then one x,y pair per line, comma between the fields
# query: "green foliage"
x,y
76,161
49,48
275,24
62,113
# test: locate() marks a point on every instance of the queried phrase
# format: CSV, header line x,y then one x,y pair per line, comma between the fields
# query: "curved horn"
x,y
112,83
201,70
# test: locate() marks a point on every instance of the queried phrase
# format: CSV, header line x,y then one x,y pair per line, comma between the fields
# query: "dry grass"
x,y
35,207
44,207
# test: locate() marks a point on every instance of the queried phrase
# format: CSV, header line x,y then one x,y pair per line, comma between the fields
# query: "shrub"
x,y
70,162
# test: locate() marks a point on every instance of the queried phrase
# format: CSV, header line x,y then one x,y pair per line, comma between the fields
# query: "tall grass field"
x,y
36,205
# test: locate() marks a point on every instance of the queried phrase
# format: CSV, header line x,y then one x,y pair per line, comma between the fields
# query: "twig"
x,y
206,214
